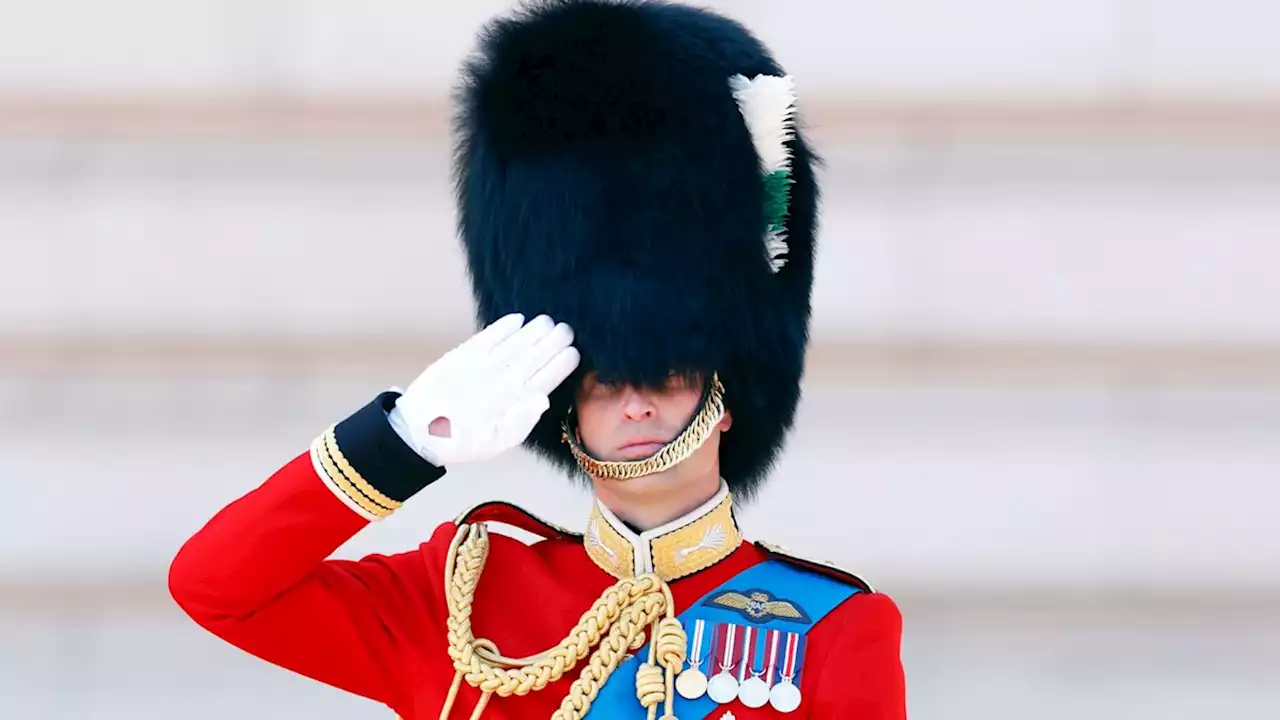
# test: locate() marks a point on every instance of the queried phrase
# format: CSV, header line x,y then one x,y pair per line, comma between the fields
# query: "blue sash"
x,y
811,595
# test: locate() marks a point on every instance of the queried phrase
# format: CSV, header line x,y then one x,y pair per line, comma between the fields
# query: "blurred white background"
x,y
1043,410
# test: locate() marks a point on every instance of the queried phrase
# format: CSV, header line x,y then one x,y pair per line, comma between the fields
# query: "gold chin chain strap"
x,y
673,453
616,623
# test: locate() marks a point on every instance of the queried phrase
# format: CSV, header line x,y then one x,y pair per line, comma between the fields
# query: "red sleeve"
x,y
863,668
257,574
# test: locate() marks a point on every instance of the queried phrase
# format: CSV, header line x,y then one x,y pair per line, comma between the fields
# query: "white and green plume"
x,y
768,104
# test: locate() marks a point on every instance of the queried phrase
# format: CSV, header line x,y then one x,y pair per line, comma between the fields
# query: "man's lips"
x,y
641,447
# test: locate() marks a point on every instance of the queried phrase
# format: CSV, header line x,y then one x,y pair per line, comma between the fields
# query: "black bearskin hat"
x,y
607,176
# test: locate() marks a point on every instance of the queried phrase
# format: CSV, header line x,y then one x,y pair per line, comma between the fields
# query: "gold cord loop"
x,y
614,626
651,686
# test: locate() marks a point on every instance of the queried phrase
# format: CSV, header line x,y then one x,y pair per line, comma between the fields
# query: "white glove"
x,y
492,389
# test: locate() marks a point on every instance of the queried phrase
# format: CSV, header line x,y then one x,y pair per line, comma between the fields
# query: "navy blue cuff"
x,y
374,449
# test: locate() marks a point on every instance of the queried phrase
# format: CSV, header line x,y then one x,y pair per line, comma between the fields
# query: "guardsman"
x,y
638,211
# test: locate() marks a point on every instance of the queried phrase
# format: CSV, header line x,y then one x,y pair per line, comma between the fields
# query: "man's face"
x,y
622,422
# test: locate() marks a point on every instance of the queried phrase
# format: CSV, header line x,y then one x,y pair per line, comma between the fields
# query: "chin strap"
x,y
616,623
690,439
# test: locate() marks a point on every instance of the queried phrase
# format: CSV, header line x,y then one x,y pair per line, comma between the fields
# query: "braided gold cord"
x,y
669,456
614,626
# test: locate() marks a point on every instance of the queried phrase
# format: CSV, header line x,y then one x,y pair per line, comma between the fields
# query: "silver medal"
x,y
754,693
755,690
784,697
692,683
749,692
723,688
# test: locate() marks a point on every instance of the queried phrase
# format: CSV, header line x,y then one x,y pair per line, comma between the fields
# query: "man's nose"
x,y
637,405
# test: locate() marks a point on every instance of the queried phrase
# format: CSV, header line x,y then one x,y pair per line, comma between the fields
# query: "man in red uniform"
x,y
632,170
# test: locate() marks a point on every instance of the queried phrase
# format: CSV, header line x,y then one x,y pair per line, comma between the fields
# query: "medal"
x,y
723,688
785,696
755,690
692,684
754,693
745,673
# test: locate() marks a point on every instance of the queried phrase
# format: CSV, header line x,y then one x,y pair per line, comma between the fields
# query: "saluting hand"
x,y
483,397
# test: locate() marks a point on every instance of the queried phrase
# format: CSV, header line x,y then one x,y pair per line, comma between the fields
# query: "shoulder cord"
x,y
621,615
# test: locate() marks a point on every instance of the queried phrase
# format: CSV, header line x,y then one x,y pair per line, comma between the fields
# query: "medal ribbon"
x,y
748,650
772,639
789,663
699,628
725,656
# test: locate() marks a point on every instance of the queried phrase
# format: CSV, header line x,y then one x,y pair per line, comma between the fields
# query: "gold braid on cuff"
x,y
673,453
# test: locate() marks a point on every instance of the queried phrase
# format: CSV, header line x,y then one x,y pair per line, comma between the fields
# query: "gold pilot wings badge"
x,y
758,606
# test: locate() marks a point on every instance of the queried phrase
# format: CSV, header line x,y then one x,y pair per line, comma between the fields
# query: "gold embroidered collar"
x,y
682,547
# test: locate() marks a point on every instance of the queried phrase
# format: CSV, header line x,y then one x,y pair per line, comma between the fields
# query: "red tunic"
x,y
257,576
